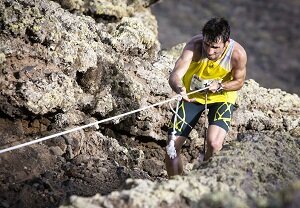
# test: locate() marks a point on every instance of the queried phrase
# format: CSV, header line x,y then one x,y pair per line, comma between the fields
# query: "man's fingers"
x,y
189,100
213,86
185,98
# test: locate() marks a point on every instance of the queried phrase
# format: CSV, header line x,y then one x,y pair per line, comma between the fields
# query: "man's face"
x,y
214,50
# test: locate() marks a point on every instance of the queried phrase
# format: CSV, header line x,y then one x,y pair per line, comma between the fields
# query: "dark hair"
x,y
216,28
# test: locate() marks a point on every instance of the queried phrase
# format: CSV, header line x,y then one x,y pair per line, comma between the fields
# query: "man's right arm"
x,y
181,66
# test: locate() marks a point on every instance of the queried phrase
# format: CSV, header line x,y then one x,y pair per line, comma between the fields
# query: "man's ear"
x,y
227,43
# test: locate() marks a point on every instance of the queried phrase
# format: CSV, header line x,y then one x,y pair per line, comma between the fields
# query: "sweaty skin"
x,y
196,49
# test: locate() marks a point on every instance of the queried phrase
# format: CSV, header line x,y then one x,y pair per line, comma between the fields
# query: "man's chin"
x,y
211,58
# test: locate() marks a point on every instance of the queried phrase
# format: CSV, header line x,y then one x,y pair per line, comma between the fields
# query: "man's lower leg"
x,y
215,138
211,149
208,153
174,166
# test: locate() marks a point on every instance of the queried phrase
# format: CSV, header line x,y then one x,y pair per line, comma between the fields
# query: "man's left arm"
x,y
239,61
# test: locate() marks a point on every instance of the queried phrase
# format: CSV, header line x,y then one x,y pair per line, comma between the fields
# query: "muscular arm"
x,y
181,66
239,60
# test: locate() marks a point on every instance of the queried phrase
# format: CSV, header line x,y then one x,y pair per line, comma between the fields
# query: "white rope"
x,y
92,124
206,125
171,150
178,116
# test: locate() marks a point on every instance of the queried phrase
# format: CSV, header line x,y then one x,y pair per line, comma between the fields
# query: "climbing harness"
x,y
94,123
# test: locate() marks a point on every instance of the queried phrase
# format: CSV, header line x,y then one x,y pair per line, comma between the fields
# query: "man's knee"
x,y
215,145
215,137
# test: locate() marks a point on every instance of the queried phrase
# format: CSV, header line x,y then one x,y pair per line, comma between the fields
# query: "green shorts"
x,y
219,114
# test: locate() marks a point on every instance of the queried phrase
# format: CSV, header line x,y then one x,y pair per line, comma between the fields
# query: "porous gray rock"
x,y
63,67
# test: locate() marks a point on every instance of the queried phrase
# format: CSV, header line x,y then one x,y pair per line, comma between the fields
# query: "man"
x,y
218,60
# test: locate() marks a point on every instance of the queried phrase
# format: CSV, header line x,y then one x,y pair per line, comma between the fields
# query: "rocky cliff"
x,y
65,64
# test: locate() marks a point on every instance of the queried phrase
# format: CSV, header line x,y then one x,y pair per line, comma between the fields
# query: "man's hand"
x,y
215,86
182,91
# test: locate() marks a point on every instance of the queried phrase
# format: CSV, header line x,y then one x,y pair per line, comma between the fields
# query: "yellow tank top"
x,y
219,70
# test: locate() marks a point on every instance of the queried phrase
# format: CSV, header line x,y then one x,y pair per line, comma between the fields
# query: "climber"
x,y
209,59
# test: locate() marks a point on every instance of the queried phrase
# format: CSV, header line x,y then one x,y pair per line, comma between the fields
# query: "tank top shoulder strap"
x,y
226,61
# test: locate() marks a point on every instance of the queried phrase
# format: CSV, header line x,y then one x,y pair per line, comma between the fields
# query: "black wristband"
x,y
220,87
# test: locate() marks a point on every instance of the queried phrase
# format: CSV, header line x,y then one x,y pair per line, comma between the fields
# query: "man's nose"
x,y
210,51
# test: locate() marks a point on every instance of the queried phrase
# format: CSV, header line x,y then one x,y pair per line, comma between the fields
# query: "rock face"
x,y
65,64
261,159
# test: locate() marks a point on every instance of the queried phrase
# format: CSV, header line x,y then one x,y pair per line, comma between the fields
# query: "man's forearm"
x,y
175,83
232,85
181,66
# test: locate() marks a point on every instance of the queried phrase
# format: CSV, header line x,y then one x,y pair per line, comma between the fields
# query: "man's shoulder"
x,y
238,51
194,43
196,39
239,55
